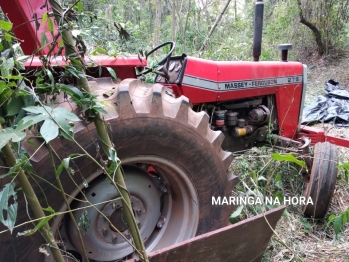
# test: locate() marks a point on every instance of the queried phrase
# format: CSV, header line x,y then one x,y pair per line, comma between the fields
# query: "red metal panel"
x,y
209,81
21,14
288,99
123,66
199,69
317,135
242,70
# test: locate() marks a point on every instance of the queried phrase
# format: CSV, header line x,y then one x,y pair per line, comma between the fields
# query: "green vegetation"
x,y
123,27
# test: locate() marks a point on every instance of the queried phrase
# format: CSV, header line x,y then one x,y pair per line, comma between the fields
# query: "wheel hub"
x,y
102,240
111,231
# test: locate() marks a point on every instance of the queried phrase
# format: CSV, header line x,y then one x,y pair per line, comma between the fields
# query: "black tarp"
x,y
331,107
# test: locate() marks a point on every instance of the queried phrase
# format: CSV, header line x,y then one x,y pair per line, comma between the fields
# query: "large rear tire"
x,y
149,128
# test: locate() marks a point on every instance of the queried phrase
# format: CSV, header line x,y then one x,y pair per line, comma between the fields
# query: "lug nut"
x,y
127,234
105,230
161,222
139,211
114,238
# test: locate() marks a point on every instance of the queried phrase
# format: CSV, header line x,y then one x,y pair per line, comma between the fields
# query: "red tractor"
x,y
174,139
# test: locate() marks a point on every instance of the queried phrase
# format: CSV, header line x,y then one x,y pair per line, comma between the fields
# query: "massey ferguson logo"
x,y
262,82
247,84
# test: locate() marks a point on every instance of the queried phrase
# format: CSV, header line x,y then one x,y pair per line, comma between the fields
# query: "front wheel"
x,y
322,180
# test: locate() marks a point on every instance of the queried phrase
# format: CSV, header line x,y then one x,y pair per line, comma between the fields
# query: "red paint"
x,y
319,136
288,97
123,66
19,13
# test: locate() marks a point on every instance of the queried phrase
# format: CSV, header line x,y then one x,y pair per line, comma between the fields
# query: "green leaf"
x,y
277,177
4,25
41,223
72,72
111,72
38,226
278,184
79,6
337,224
14,77
289,158
10,134
100,109
59,170
330,219
65,164
44,19
28,121
49,130
113,155
50,25
62,113
49,209
235,214
345,168
99,50
70,90
36,109
50,76
43,39
8,195
14,106
8,37
7,67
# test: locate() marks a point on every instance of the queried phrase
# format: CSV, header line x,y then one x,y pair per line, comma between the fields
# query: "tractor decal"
x,y
242,84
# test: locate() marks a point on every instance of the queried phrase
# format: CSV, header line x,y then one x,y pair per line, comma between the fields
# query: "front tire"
x,y
322,181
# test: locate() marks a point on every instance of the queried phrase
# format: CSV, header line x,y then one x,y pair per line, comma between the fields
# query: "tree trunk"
x,y
157,22
235,11
173,7
316,32
219,17
150,7
185,28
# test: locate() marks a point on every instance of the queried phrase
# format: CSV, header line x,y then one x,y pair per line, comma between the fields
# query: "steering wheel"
x,y
166,58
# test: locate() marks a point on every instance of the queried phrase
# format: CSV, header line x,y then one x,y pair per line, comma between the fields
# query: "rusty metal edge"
x,y
223,244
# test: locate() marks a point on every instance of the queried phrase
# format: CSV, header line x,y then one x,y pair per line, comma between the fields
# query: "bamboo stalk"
x,y
82,83
33,202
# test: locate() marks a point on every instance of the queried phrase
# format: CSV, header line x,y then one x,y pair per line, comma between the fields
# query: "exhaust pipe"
x,y
258,27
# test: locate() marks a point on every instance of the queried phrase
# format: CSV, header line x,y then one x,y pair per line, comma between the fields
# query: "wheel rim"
x,y
165,206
